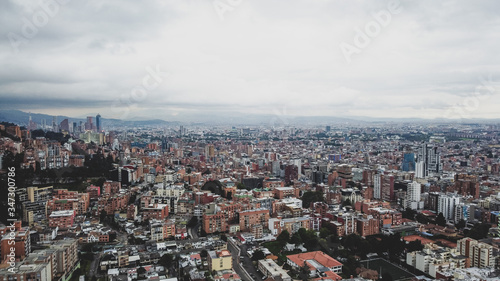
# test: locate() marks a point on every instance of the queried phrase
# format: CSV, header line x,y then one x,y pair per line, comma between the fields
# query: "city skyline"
x,y
192,60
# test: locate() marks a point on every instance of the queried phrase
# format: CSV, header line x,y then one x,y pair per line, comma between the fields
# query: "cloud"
x,y
262,57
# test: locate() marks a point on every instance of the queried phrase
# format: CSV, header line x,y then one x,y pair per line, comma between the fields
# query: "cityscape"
x,y
233,140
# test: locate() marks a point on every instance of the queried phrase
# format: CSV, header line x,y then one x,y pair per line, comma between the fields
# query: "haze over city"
x,y
205,58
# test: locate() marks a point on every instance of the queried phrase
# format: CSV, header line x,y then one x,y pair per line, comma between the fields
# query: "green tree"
x,y
410,214
414,246
241,186
310,197
223,237
296,239
440,220
461,224
141,270
258,255
283,238
102,216
347,202
193,221
304,272
166,260
324,232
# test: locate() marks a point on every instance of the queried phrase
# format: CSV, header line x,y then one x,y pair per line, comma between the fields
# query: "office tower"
x,y
74,127
328,128
64,125
98,122
428,161
446,205
89,125
408,162
54,124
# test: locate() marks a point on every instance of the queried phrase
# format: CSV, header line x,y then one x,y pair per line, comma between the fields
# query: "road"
x,y
95,264
247,262
237,266
193,232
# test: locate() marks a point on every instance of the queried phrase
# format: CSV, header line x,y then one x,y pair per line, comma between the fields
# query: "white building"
x,y
413,199
446,205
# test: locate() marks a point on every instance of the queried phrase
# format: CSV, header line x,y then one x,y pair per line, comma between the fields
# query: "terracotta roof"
x,y
318,256
330,275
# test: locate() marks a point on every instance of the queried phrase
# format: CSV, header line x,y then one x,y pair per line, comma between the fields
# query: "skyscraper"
x,y
408,162
89,125
98,122
64,125
428,161
446,205
413,196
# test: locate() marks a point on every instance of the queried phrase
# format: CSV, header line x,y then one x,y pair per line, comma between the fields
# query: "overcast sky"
x,y
174,59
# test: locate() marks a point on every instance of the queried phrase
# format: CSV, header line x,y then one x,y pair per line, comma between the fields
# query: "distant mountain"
x,y
232,118
22,118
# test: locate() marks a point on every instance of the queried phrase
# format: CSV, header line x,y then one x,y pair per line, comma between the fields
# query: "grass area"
x,y
397,273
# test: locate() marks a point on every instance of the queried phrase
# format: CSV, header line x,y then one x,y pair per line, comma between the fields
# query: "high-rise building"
x,y
465,211
428,161
98,122
64,125
413,200
383,186
408,162
479,253
446,205
89,125
54,124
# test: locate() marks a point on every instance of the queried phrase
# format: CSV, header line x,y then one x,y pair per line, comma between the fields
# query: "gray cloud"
x,y
263,56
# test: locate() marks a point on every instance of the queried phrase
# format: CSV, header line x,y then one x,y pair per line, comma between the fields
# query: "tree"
x,y
408,213
166,260
102,216
304,272
310,197
203,253
296,239
440,220
478,231
461,224
241,186
414,246
193,221
324,232
223,237
347,202
258,255
283,238
141,270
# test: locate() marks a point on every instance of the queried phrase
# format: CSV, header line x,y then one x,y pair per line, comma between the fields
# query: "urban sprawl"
x,y
83,200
